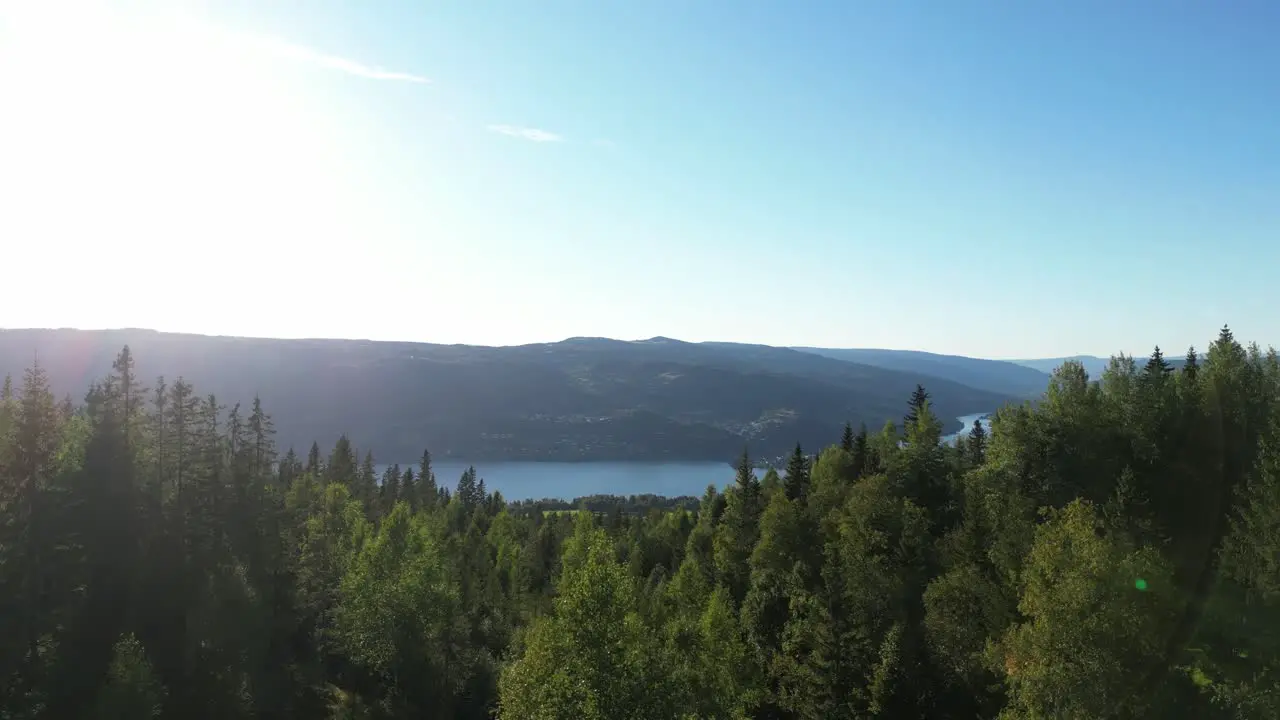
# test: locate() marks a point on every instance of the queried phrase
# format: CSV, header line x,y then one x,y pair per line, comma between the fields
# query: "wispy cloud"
x,y
526,133
291,51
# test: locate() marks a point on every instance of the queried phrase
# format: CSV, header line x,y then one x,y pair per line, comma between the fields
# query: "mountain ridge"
x,y
579,399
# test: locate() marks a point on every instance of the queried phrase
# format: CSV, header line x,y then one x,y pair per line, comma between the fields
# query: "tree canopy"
x,y
1108,550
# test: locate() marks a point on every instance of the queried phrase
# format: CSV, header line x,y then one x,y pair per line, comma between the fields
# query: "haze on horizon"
x,y
986,180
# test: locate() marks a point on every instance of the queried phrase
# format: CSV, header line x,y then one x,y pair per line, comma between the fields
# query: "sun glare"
x,y
142,144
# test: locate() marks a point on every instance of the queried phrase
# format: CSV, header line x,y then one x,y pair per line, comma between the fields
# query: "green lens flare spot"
x,y
1140,584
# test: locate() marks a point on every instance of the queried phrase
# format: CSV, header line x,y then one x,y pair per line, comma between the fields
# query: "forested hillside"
x,y
1108,552
1001,376
580,399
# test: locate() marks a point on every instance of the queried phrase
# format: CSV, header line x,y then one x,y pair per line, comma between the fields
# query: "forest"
x,y
1109,550
581,399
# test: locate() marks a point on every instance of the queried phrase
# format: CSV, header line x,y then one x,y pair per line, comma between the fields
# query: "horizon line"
x,y
797,348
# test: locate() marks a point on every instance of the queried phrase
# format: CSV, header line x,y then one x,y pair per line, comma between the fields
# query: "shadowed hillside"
x,y
583,398
1000,376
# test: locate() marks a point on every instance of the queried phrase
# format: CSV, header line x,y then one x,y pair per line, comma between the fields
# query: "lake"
x,y
537,480
968,426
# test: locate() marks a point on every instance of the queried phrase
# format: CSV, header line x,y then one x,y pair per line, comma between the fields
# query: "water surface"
x,y
566,481
537,480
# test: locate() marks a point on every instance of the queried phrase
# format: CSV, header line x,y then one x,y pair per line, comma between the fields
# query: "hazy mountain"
x,y
999,376
583,398
1093,364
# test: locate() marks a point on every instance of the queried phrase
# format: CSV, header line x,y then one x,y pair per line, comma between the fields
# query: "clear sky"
x,y
995,179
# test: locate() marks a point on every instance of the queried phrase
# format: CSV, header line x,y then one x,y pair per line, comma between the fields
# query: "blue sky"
x,y
981,178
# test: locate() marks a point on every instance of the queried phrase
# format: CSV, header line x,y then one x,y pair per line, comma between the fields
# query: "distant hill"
x,y
1008,378
1093,364
580,399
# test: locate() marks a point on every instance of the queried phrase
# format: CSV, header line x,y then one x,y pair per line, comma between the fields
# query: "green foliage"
x,y
1089,635
593,657
131,691
1109,551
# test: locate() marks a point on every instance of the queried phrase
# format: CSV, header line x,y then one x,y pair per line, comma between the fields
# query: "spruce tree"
x,y
797,479
739,528
183,428
466,490
862,460
919,398
847,438
262,437
409,488
290,468
158,440
341,467
976,446
1157,367
130,394
389,492
314,466
1192,365
428,490
365,485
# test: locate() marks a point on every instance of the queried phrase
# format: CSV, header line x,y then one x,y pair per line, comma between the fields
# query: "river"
x,y
967,420
537,480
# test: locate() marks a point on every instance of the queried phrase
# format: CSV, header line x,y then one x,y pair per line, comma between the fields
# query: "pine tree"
x,y
1192,365
409,489
183,408
466,491
919,398
314,467
846,438
341,467
364,484
8,408
131,393
158,441
862,461
262,437
1157,366
428,491
976,446
390,489
738,529
27,537
290,468
796,482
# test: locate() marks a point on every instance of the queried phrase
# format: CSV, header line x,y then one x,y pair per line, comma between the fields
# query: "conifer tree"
x,y
428,491
976,447
919,398
183,425
1157,367
341,467
262,438
130,394
409,488
1192,365
796,482
847,438
862,460
738,529
314,466
389,492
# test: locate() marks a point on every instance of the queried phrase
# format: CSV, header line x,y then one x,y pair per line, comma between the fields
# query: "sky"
x,y
982,178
